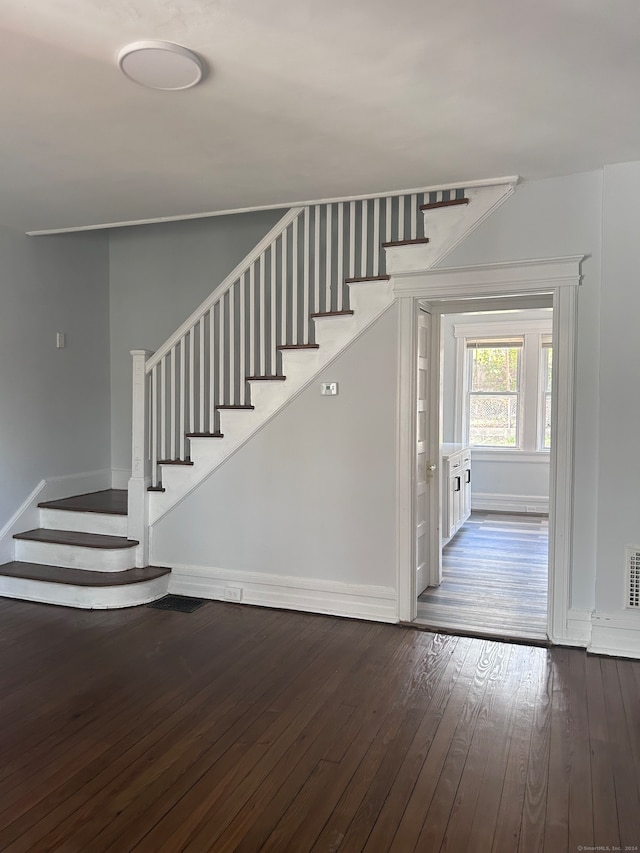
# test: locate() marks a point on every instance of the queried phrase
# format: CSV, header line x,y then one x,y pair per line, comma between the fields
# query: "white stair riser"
x,y
90,598
369,300
334,332
75,557
298,363
84,522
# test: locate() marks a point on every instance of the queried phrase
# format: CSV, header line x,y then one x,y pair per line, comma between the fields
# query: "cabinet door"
x,y
456,497
466,492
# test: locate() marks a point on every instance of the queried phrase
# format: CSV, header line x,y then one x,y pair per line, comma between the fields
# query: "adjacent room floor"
x,y
236,728
494,578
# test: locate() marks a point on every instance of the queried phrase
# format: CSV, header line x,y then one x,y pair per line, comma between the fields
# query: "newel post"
x,y
138,527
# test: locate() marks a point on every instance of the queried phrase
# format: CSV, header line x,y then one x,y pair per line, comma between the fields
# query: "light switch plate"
x,y
329,389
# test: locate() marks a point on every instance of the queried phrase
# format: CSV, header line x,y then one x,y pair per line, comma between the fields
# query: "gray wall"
x,y
159,275
618,458
54,417
313,494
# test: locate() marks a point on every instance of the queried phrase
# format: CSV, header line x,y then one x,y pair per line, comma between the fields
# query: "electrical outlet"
x,y
233,593
328,389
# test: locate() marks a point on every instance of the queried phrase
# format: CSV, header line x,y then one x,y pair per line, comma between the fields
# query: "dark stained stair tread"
x,y
81,540
158,488
298,346
80,577
367,278
417,242
227,406
204,435
108,501
434,205
175,462
331,314
274,378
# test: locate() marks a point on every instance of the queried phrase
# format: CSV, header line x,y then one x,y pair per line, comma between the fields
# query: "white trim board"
x,y
560,277
484,182
27,516
357,601
616,634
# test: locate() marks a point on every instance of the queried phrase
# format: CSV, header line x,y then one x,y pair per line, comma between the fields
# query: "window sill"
x,y
502,454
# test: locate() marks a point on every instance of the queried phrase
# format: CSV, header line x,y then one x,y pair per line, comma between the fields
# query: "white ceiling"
x,y
305,99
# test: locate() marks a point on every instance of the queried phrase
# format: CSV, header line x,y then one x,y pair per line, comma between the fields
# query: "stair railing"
x,y
298,269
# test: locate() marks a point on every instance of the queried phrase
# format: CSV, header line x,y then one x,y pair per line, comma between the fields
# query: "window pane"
x,y
495,369
547,374
547,421
493,420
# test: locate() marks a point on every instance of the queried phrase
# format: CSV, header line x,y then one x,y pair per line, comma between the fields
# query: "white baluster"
x,y
163,408
329,265
352,239
316,260
172,405
283,313
400,217
272,315
154,426
414,216
221,353
201,372
262,322
305,280
251,367
242,342
365,234
387,219
340,253
230,348
376,236
192,379
183,383
294,281
212,369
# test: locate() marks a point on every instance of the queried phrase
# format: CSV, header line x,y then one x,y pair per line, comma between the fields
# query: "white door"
x,y
423,463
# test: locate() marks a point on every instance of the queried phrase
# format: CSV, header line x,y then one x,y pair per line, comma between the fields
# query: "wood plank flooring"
x,y
494,578
240,728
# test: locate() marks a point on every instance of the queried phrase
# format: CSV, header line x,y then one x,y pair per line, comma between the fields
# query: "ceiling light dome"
x,y
161,65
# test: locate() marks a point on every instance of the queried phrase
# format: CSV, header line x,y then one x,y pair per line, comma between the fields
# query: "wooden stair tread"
x,y
273,378
157,488
416,242
204,435
331,314
73,537
367,278
80,577
434,205
175,462
108,501
227,406
298,346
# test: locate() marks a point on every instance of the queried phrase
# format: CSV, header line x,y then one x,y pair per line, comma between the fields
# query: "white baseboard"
x,y
578,628
27,517
509,503
616,634
358,601
120,478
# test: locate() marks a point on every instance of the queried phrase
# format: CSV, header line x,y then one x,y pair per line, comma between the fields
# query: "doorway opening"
x,y
519,284
494,398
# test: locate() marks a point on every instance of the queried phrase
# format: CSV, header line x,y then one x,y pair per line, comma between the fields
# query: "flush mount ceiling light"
x,y
161,65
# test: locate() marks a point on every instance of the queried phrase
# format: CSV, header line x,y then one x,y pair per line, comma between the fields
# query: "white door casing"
x,y
559,277
425,466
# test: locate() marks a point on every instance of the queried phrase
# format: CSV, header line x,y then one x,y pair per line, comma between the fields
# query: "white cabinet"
x,y
456,488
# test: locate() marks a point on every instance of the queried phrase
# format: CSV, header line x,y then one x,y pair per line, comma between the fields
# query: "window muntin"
x,y
545,408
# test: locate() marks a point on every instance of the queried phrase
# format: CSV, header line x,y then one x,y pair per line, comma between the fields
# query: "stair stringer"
x,y
301,367
447,228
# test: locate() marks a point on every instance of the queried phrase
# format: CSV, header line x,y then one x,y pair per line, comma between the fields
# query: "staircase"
x,y
315,283
81,557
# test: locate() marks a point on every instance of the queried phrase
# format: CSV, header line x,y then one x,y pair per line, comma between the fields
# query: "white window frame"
x,y
531,385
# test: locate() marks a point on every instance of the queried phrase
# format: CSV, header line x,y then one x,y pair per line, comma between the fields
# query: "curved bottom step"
x,y
83,588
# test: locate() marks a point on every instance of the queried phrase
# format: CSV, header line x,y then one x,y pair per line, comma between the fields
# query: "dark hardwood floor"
x,y
239,728
494,578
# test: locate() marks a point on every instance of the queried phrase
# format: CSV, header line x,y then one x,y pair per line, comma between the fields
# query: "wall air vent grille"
x,y
633,576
